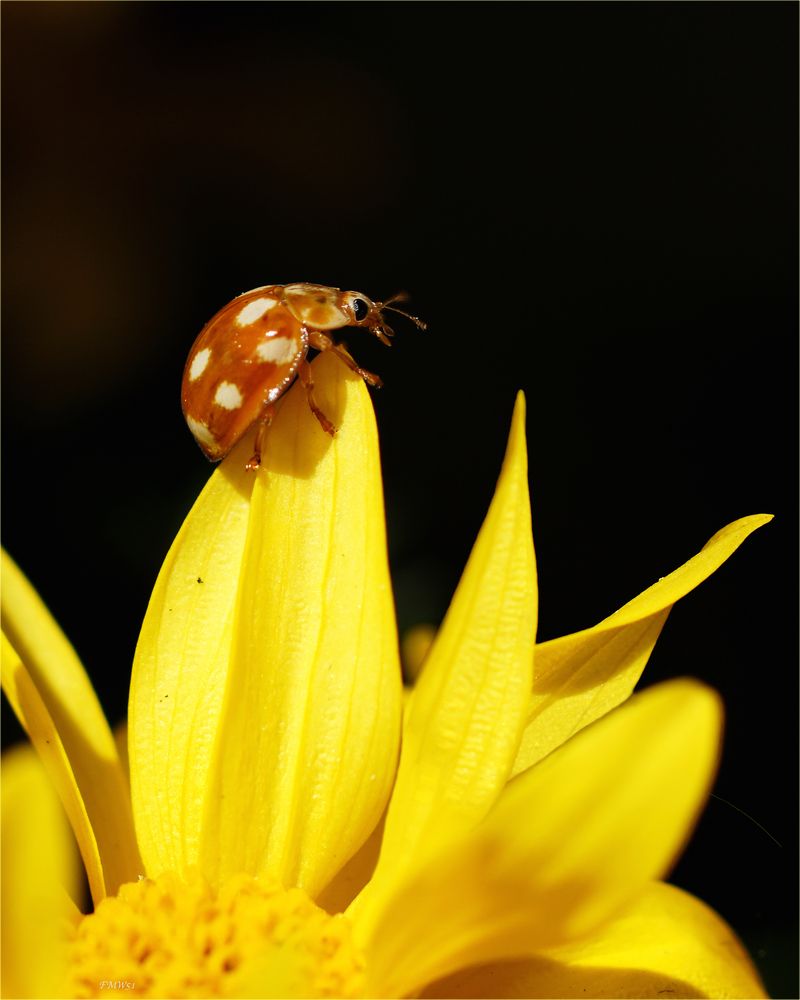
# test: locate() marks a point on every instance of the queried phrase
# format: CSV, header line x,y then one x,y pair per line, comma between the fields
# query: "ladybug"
x,y
248,355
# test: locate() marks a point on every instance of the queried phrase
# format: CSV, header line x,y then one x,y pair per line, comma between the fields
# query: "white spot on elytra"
x,y
278,350
199,363
201,433
228,396
255,310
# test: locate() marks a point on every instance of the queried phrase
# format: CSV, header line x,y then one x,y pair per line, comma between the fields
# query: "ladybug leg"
x,y
264,421
304,372
321,342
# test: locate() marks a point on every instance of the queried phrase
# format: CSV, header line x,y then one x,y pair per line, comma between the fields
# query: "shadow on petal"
x,y
541,977
302,444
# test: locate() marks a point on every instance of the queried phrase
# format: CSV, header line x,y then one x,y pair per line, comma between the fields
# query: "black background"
x,y
594,203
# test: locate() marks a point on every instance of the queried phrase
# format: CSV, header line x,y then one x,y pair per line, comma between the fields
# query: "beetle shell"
x,y
244,358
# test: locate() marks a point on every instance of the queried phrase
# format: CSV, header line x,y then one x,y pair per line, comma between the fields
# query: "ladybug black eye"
x,y
360,310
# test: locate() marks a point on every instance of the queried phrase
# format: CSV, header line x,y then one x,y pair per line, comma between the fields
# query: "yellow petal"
x,y
39,869
51,665
569,843
35,719
348,882
580,677
666,943
308,740
180,667
466,712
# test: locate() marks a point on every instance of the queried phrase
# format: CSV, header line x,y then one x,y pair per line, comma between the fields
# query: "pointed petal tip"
x,y
750,522
759,520
518,416
739,529
517,446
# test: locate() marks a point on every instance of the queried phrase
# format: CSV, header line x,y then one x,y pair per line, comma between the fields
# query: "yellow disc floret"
x,y
175,938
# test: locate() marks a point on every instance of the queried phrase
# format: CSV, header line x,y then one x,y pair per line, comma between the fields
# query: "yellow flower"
x,y
287,841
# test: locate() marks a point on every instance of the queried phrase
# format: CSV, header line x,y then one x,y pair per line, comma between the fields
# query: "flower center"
x,y
173,938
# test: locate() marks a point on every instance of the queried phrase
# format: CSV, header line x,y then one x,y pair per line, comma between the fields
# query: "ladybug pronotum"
x,y
248,355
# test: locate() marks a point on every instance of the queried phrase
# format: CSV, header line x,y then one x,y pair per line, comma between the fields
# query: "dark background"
x,y
595,203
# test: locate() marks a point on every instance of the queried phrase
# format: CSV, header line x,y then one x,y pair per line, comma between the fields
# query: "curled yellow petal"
x,y
308,737
40,871
35,719
665,943
567,845
180,667
43,656
580,677
466,712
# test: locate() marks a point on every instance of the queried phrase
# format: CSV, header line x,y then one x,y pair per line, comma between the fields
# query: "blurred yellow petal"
x,y
567,845
40,870
121,743
666,943
35,719
466,712
580,677
180,667
414,647
51,665
309,734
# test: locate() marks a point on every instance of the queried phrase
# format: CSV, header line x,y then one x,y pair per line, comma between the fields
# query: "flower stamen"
x,y
172,938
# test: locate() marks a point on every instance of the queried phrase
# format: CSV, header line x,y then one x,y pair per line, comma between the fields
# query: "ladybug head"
x,y
367,313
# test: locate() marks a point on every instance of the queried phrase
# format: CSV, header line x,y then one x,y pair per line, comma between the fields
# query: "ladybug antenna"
x,y
402,297
421,324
